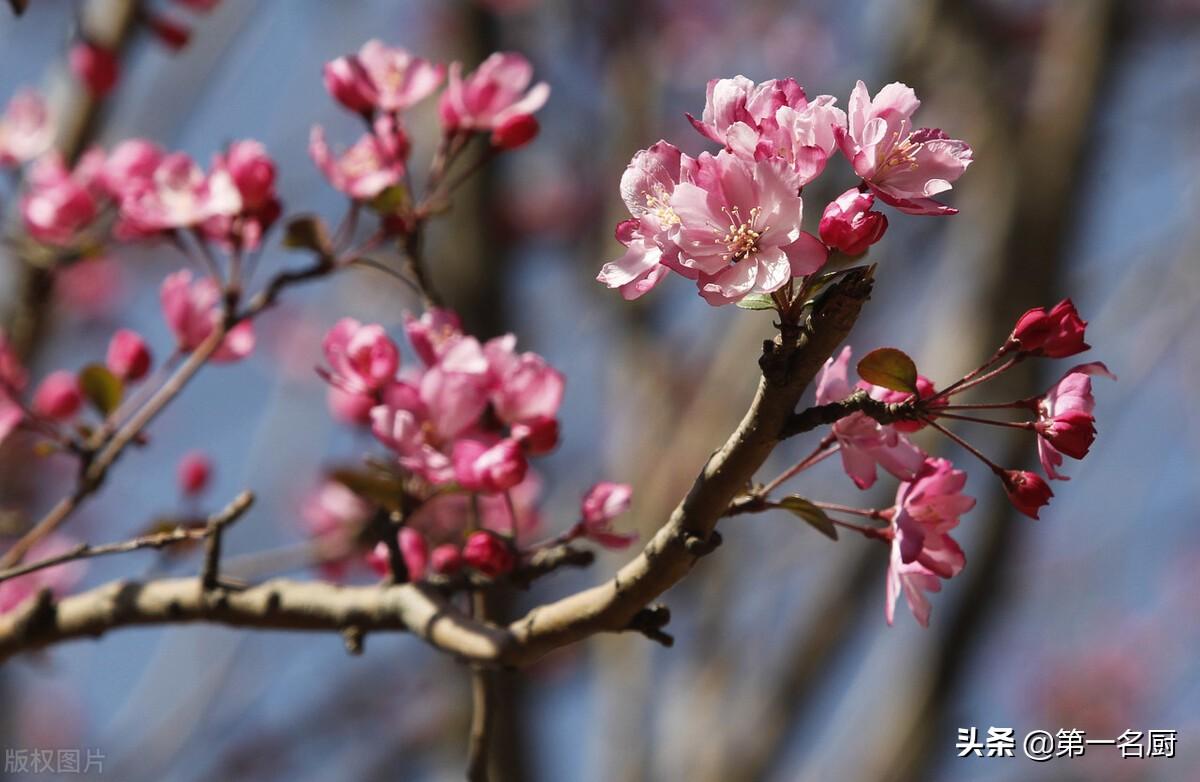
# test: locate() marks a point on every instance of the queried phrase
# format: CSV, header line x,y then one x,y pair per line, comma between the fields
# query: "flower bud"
x,y
252,171
1055,334
415,553
58,397
173,35
488,554
498,468
849,225
128,357
195,471
1072,432
95,66
537,436
515,132
446,559
1026,491
348,82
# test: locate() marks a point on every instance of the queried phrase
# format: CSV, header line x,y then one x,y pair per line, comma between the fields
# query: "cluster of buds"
x,y
731,222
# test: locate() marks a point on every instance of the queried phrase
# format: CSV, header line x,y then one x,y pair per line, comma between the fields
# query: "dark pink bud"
x,y
515,132
348,82
195,471
128,357
1055,334
478,467
415,553
537,436
488,554
446,559
1072,432
173,34
95,66
252,171
849,225
1026,491
58,397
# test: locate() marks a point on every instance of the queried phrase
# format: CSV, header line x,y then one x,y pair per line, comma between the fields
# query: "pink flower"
x,y
58,579
488,554
334,510
1026,491
413,550
862,441
399,79
58,397
433,334
646,188
527,389
374,163
479,466
447,516
193,309
603,503
1065,422
739,228
128,356
730,103
850,225
350,408
130,167
195,471
26,129
363,358
926,510
59,203
446,559
348,82
95,66
12,382
515,132
537,436
905,167
493,94
1055,334
179,195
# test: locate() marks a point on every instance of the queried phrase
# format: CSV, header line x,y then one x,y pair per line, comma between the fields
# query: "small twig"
x,y
84,551
650,622
209,577
859,401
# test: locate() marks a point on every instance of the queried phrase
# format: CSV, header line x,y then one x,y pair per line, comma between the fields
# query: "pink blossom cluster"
x,y
463,421
732,222
382,82
154,193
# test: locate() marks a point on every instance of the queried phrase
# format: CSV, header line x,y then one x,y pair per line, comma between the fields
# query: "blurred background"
x,y
1083,116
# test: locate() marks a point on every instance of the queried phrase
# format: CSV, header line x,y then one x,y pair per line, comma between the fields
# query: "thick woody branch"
x,y
789,364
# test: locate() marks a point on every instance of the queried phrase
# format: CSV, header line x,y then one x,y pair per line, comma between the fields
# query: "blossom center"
x,y
741,239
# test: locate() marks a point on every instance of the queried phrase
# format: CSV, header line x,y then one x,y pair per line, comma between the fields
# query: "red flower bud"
x,y
849,225
95,66
478,467
173,34
58,397
537,436
415,553
195,470
446,559
128,357
1072,432
1026,491
515,132
1055,334
488,554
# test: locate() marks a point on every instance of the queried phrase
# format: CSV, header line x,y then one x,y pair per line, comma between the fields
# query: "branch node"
x,y
701,547
650,622
354,638
210,577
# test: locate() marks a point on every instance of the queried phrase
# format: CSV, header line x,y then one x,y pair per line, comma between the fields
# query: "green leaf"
x,y
890,368
810,513
308,232
382,488
101,387
391,200
756,301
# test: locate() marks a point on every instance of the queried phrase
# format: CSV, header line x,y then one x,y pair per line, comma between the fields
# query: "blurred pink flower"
x,y
862,441
488,554
26,129
128,357
95,66
12,382
193,309
374,163
194,472
494,93
179,195
906,167
58,397
130,166
59,203
603,503
488,467
363,358
58,579
400,80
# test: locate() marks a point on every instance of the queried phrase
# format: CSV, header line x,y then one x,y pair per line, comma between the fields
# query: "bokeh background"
x,y
1083,115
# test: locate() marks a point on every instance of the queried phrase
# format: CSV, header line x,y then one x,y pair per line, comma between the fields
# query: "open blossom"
x,y
1065,422
399,79
363,358
179,195
862,441
26,129
58,396
60,202
731,104
646,187
333,515
850,225
193,309
526,389
432,334
603,503
739,228
374,163
906,167
1057,333
130,166
57,579
491,95
922,552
